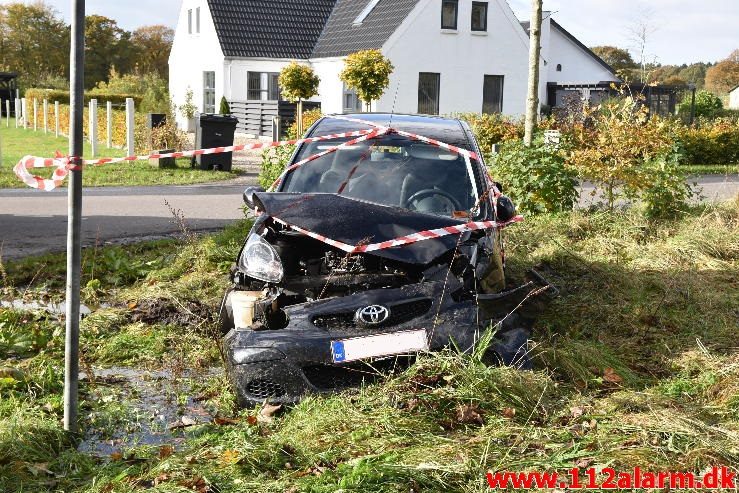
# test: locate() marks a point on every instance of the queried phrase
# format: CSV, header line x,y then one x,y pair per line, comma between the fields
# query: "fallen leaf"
x,y
230,457
469,414
610,375
576,412
161,479
267,412
252,420
116,456
509,412
132,305
225,421
165,451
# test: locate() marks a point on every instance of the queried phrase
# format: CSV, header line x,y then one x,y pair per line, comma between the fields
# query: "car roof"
x,y
447,130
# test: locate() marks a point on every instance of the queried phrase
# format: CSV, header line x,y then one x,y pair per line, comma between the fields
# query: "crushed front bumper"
x,y
283,365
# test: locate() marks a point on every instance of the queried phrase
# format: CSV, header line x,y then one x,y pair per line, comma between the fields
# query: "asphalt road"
x,y
34,222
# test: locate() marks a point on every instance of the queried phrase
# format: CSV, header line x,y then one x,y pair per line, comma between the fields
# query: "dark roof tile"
x,y
340,37
269,28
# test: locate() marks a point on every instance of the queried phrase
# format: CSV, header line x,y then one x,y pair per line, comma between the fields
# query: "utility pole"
x,y
74,216
532,100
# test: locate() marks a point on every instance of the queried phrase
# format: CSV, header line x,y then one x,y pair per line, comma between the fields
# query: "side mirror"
x,y
506,209
249,196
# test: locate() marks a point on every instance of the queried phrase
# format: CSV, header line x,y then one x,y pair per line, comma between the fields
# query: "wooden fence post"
x,y
109,110
130,123
93,121
17,110
56,118
7,113
46,116
24,112
35,114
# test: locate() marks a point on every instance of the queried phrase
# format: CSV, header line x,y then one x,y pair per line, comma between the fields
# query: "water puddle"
x,y
51,307
133,407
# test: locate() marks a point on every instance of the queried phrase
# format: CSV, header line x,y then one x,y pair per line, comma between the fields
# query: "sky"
x,y
685,31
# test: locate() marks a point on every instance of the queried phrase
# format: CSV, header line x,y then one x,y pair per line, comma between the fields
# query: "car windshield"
x,y
390,170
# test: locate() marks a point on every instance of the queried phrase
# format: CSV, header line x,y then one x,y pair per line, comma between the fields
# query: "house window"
x,y
449,14
189,21
479,16
428,93
197,20
559,67
209,92
262,86
352,103
492,94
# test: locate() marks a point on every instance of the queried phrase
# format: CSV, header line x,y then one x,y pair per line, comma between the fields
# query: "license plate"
x,y
358,348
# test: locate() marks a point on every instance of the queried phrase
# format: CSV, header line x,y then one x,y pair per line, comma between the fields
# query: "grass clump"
x,y
636,365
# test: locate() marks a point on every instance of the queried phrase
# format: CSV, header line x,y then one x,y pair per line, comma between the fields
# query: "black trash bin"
x,y
214,131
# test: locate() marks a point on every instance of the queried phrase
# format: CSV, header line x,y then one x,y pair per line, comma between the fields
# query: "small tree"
x,y
225,109
368,73
297,83
188,108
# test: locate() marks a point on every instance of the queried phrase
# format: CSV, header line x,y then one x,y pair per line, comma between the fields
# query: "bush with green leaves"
x,y
710,141
535,177
225,108
706,104
275,159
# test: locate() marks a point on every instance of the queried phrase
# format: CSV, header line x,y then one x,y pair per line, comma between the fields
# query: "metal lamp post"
x,y
74,216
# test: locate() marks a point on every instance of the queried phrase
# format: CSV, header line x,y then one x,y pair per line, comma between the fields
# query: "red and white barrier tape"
x,y
403,240
64,164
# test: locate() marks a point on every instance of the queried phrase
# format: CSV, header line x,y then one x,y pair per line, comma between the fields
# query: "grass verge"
x,y
711,169
636,365
17,142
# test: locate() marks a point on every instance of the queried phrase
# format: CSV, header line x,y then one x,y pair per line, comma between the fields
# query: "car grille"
x,y
264,388
332,377
399,314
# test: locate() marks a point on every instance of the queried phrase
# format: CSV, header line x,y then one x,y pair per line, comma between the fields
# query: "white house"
x,y
734,98
449,55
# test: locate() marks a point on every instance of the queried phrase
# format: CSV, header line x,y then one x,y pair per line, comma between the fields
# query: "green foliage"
x,y
298,82
274,161
535,177
188,108
714,141
490,129
368,73
224,108
706,104
63,96
625,153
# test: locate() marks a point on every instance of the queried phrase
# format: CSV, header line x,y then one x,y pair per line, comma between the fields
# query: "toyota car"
x,y
306,314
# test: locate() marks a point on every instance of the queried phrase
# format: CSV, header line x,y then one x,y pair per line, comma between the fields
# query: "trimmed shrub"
x,y
492,129
535,177
706,104
63,96
710,141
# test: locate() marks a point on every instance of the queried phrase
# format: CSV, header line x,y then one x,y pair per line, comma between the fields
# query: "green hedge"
x,y
63,96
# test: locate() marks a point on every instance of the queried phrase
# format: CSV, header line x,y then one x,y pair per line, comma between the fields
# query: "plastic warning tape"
x,y
371,134
64,164
407,239
427,140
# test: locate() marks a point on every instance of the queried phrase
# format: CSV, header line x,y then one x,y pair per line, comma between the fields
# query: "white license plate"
x,y
379,345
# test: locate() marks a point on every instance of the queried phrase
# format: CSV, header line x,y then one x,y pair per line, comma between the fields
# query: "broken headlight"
x,y
260,260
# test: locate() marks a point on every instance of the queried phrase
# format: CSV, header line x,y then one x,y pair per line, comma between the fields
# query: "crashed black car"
x,y
305,316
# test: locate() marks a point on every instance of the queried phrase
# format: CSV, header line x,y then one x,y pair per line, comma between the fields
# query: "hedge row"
x,y
119,123
710,141
52,95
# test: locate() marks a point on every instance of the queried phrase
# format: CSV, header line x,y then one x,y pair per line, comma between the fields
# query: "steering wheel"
x,y
429,192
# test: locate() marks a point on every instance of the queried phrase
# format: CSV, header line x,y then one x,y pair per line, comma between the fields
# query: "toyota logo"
x,y
373,314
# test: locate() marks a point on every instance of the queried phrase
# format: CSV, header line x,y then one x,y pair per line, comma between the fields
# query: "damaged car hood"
x,y
354,221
